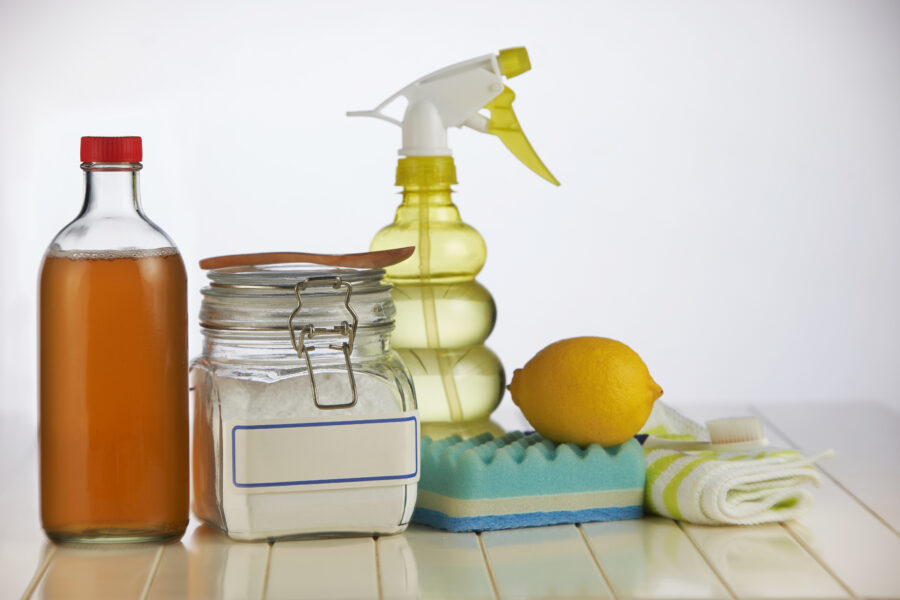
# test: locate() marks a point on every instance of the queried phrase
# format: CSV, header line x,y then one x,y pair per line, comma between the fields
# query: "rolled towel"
x,y
728,488
699,484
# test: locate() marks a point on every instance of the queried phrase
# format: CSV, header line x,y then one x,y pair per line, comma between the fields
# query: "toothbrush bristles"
x,y
735,430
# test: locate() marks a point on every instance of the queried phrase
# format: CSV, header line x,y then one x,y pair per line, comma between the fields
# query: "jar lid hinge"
x,y
309,330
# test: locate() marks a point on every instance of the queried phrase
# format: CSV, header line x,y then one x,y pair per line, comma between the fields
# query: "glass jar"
x,y
305,420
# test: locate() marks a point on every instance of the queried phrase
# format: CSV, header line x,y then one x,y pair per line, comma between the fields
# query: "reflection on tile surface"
x,y
94,571
209,565
449,565
321,569
399,575
543,562
651,558
764,561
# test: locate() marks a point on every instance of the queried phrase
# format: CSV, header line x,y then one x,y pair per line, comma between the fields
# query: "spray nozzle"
x,y
454,97
513,61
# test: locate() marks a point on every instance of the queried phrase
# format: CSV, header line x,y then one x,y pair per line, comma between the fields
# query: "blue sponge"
x,y
523,480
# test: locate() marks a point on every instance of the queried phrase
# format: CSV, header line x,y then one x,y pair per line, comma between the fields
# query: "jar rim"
x,y
267,298
287,275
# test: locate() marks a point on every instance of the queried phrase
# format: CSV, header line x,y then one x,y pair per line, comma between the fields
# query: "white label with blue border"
x,y
322,453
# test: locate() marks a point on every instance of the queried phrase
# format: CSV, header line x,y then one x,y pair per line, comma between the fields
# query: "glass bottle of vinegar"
x,y
113,364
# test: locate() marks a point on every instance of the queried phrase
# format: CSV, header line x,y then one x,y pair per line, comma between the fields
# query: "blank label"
x,y
325,454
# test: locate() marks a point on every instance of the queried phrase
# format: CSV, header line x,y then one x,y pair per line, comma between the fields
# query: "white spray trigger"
x,y
453,97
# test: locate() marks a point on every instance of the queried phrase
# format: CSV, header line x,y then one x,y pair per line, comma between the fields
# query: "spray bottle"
x,y
443,314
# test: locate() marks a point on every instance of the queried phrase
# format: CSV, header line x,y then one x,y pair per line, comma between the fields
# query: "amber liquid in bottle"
x,y
113,371
113,449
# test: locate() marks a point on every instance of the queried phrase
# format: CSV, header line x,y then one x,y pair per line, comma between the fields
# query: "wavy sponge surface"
x,y
524,480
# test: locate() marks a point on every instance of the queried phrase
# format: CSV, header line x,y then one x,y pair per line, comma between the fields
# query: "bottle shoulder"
x,y
442,252
89,232
456,229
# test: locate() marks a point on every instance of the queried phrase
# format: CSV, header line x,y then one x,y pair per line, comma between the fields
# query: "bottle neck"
x,y
431,196
111,189
426,180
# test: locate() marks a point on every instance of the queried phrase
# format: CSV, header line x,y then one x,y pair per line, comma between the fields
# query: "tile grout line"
x,y
596,561
819,560
487,565
378,582
39,574
154,569
705,558
265,586
834,479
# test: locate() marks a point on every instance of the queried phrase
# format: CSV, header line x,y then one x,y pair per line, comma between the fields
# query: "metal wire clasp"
x,y
309,331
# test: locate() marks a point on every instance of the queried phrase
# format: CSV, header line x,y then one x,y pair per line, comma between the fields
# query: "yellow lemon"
x,y
585,390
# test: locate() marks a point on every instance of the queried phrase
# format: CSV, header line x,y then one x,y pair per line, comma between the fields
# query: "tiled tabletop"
x,y
848,546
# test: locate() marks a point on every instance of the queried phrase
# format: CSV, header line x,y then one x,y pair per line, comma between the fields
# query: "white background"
x,y
730,199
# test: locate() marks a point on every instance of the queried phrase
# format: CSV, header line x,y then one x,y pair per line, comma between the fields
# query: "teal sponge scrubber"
x,y
523,480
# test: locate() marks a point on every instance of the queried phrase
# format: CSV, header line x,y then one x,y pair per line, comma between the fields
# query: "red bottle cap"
x,y
111,149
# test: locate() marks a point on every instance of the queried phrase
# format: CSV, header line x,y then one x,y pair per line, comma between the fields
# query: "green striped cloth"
x,y
722,488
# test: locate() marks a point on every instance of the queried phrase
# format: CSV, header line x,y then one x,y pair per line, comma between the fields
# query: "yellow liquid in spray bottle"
x,y
443,314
